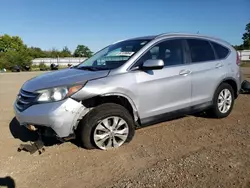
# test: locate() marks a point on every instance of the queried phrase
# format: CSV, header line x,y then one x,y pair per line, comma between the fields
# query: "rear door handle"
x,y
219,65
184,72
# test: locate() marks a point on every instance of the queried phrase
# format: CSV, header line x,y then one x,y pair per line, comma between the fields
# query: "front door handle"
x,y
184,72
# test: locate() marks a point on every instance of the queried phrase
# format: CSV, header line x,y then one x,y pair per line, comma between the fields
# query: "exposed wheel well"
x,y
233,84
95,101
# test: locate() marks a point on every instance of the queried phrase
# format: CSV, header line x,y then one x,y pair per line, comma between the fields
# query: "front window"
x,y
170,51
113,56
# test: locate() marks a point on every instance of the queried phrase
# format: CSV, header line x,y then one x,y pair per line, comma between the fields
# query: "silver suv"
x,y
131,84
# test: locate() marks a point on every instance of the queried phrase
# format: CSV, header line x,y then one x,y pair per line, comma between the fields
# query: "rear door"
x,y
207,70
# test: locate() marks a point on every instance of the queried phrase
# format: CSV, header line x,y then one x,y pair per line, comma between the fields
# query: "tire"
x,y
216,111
90,124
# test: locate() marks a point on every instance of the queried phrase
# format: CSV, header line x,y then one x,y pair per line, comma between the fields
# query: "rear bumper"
x,y
62,116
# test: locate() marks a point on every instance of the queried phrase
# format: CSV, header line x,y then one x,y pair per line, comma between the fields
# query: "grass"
x,y
245,64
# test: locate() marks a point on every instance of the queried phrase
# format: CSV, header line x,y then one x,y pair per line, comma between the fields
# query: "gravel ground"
x,y
187,152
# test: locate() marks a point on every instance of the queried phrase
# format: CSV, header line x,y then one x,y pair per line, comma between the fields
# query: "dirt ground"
x,y
186,152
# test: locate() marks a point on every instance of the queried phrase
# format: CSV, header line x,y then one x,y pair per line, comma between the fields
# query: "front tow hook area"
x,y
44,137
33,147
38,145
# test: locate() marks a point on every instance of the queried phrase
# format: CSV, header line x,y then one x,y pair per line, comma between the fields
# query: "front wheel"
x,y
223,101
106,126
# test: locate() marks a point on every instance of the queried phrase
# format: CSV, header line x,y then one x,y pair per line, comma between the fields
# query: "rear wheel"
x,y
223,101
105,127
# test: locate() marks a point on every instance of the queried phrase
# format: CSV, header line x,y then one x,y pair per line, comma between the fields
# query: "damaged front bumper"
x,y
62,116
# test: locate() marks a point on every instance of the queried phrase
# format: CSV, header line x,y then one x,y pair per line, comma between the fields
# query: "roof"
x,y
172,34
150,37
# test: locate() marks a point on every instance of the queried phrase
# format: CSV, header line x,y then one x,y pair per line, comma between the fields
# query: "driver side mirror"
x,y
153,64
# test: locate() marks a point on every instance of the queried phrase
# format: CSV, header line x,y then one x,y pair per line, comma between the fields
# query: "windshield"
x,y
113,56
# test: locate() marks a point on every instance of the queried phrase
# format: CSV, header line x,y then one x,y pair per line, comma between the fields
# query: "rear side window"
x,y
200,50
220,51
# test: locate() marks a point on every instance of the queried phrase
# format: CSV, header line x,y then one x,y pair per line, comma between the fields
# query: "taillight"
x,y
238,59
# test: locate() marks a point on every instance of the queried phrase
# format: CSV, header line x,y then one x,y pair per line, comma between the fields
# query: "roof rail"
x,y
174,33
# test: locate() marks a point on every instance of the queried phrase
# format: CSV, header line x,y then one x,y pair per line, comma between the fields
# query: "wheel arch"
x,y
232,82
117,98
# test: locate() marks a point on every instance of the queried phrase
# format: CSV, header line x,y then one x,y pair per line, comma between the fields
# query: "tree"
x,y
238,47
246,37
65,52
82,51
8,43
54,53
11,58
13,52
35,52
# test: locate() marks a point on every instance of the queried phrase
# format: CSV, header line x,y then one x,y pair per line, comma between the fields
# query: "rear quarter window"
x,y
220,50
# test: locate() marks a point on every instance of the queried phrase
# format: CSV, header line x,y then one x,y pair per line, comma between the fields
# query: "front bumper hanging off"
x,y
62,116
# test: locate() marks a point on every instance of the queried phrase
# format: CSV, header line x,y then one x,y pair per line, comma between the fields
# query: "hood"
x,y
62,78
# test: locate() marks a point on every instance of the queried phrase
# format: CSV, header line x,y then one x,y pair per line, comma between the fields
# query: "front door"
x,y
168,89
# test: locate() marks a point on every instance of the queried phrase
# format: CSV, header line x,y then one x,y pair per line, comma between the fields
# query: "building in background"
x,y
60,61
244,55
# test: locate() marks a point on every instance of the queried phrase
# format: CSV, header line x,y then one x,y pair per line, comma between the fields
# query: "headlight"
x,y
57,94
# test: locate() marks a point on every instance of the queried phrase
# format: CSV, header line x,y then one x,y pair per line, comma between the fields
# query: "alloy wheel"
x,y
224,101
111,132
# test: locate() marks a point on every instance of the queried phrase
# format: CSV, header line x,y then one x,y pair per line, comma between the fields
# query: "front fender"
x,y
135,111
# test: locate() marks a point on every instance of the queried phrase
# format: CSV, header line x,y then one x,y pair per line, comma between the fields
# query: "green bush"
x,y
42,66
35,69
11,58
